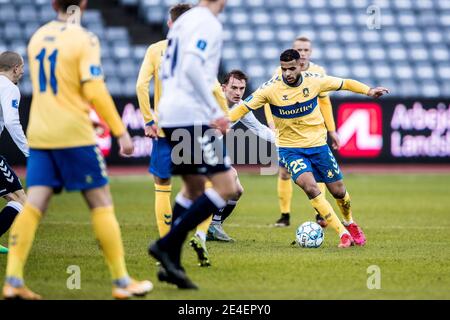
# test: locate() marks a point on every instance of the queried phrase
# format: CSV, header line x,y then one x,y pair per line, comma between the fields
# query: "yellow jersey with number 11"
x,y
61,57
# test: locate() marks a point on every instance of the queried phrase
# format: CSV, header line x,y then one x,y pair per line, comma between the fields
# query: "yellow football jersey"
x,y
150,70
312,67
221,98
61,57
295,109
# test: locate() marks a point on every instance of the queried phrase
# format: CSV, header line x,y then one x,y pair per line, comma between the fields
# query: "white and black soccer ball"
x,y
309,235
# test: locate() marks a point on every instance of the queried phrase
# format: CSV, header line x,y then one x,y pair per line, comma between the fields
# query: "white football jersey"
x,y
9,113
196,32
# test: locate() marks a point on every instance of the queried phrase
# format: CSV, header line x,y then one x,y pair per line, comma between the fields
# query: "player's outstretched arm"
x,y
361,88
258,128
378,92
254,101
238,112
97,94
329,83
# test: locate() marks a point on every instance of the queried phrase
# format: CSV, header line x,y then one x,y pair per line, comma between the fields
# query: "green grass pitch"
x,y
405,218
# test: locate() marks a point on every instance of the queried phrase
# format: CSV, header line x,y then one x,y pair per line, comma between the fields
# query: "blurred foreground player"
x,y
66,74
160,159
187,114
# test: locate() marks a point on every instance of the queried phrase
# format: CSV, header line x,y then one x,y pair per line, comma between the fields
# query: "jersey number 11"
x,y
42,76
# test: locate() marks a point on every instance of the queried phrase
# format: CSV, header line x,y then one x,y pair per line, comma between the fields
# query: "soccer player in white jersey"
x,y
188,110
11,71
234,86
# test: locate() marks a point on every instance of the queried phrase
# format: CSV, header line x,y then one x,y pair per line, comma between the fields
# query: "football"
x,y
309,235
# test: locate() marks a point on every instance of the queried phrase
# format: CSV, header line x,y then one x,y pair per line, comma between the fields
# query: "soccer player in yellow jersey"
x,y
301,140
303,46
160,159
66,74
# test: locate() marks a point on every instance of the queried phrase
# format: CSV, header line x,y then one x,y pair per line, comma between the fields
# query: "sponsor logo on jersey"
x,y
299,109
15,104
202,44
96,70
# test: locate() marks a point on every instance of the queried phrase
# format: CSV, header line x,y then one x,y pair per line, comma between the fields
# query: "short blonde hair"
x,y
9,60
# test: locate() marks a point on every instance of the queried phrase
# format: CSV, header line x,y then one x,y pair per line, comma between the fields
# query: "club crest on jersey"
x,y
330,174
306,92
15,104
285,98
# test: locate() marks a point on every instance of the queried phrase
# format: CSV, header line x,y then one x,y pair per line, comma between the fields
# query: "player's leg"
x,y
42,180
168,249
307,182
15,202
284,188
301,164
107,232
160,168
325,169
214,163
198,240
321,221
202,229
12,191
216,231
340,193
21,239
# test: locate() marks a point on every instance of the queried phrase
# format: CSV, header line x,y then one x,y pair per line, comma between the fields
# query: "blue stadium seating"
x,y
410,52
19,19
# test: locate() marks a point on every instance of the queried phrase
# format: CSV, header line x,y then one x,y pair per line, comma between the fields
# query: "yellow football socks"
x,y
324,208
345,207
285,195
163,209
20,240
322,187
107,232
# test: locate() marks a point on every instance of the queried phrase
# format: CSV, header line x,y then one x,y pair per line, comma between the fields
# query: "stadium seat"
x,y
412,40
13,31
7,13
28,13
430,88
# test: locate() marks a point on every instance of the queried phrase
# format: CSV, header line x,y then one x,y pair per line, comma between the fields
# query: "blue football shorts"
x,y
320,161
